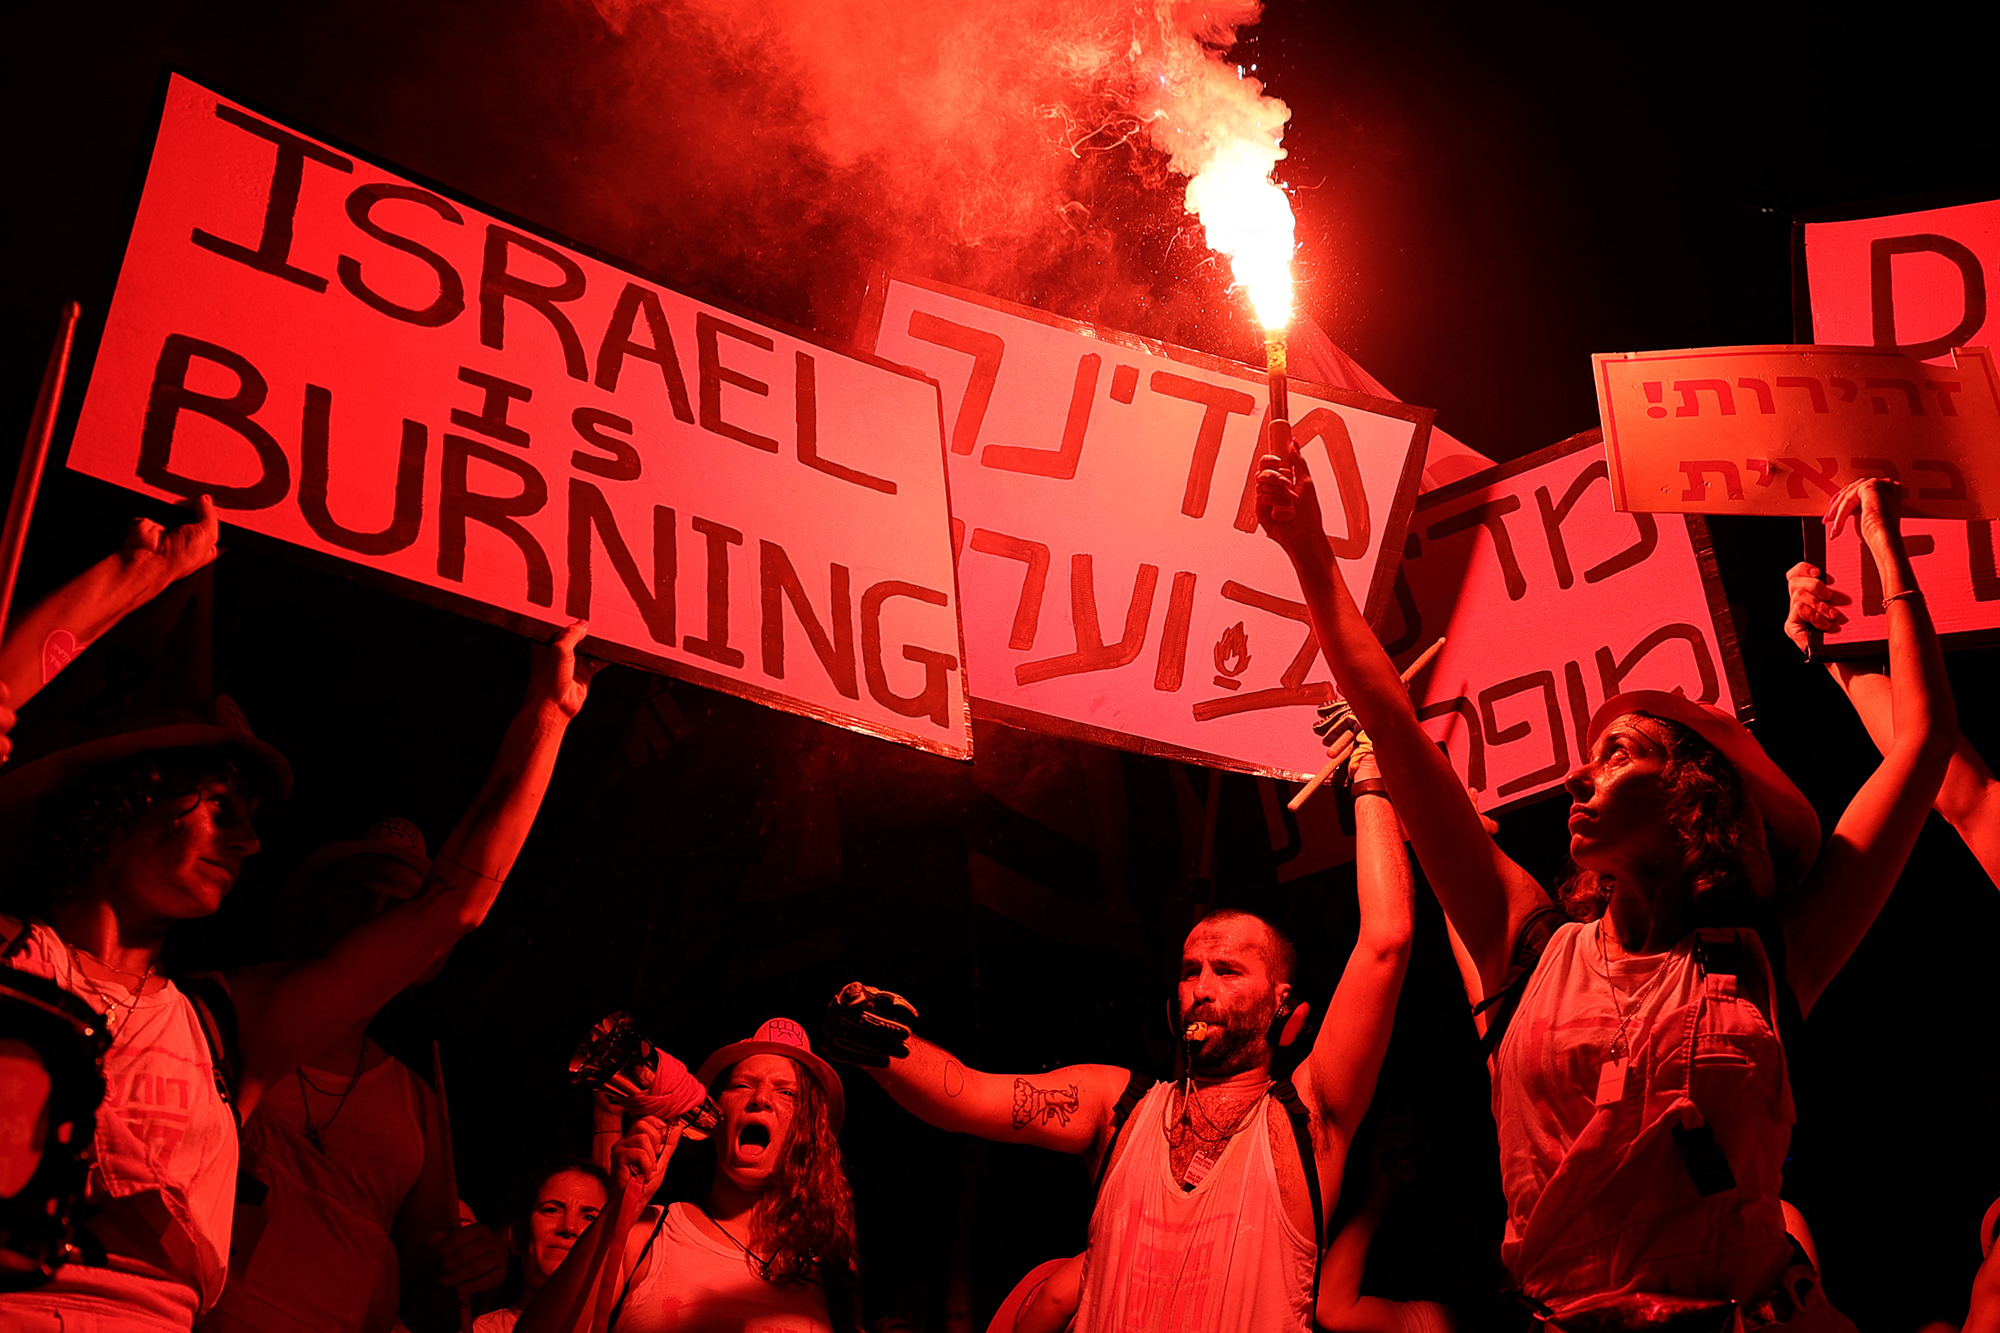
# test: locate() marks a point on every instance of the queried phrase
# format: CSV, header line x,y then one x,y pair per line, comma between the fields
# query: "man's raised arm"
x,y
1067,1109
291,1012
1486,897
1338,1080
77,614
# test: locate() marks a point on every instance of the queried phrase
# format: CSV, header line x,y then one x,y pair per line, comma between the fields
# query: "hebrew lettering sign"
x,y
1925,283
1618,601
1116,586
381,372
1779,430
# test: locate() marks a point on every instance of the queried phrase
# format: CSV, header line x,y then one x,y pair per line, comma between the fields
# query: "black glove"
x,y
861,1027
1334,717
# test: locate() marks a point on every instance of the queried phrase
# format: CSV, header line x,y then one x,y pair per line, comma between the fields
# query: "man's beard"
x,y
1244,1041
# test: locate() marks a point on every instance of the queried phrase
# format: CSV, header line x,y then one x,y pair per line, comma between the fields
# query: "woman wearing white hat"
x,y
1639,1083
771,1244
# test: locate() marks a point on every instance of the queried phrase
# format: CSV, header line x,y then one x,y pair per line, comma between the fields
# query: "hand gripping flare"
x,y
861,1026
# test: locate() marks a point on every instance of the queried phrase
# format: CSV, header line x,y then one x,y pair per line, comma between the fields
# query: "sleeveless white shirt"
x,y
1223,1257
693,1283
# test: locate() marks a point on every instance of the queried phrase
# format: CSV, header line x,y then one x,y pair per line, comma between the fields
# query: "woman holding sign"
x,y
1639,1083
112,842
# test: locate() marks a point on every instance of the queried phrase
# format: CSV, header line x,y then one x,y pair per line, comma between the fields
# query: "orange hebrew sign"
x,y
1116,586
1616,601
387,374
1923,282
1779,430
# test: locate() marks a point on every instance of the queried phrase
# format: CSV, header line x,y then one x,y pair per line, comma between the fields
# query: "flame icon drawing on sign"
x,y
1232,656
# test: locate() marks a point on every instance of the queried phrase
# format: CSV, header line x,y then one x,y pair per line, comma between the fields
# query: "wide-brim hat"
x,y
1782,820
385,837
782,1036
221,725
392,836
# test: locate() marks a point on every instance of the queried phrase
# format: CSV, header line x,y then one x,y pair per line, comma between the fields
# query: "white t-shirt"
x,y
693,1283
165,1176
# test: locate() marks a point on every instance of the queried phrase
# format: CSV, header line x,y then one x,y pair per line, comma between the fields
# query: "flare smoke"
x,y
972,142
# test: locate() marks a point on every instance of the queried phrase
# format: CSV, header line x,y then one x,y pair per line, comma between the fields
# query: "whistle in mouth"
x,y
1197,1032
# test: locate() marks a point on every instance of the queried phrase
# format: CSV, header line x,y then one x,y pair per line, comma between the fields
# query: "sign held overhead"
x,y
375,370
1116,586
1779,430
1619,601
1924,283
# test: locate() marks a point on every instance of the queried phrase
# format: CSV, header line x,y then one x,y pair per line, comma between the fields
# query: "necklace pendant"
x,y
1610,1083
312,1137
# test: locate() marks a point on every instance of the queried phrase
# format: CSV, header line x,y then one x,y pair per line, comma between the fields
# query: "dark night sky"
x,y
1487,194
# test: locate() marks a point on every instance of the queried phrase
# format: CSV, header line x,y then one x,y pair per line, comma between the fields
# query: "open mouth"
x,y
753,1140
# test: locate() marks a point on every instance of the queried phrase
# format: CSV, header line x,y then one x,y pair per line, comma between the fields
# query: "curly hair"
x,y
809,1213
1705,805
82,820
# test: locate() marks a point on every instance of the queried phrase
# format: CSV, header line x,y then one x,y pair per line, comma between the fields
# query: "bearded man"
x,y
1213,1190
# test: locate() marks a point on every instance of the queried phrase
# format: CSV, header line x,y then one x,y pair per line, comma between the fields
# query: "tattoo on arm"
x,y
1047,1104
954,1078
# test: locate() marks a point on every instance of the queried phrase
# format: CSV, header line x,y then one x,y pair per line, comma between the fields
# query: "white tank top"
x,y
693,1283
1600,1200
1222,1256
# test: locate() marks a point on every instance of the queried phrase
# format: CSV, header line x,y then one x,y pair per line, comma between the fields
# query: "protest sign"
x,y
379,371
1550,602
1116,586
1779,430
1924,282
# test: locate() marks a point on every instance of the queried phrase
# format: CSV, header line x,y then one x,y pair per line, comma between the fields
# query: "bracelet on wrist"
x,y
1908,594
1371,787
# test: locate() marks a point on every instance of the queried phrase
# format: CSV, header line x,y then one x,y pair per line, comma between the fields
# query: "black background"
x,y
1486,195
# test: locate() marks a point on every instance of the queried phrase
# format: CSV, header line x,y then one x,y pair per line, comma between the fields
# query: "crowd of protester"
x,y
231,1150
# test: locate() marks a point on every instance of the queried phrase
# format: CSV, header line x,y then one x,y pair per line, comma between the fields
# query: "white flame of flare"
x,y
1247,217
1222,132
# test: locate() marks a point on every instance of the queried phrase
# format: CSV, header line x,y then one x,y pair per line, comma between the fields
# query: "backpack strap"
x,y
1121,1111
1529,945
1286,1093
216,1009
624,1291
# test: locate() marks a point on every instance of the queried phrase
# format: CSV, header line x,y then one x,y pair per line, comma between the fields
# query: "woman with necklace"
x,y
148,826
348,1217
1639,1082
771,1244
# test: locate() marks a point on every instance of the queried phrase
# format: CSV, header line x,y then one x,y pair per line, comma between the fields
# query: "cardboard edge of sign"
x,y
1027,719
1403,501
